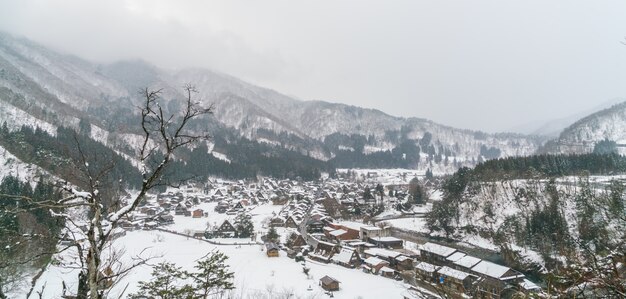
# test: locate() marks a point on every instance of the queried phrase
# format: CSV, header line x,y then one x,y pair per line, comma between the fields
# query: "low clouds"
x,y
484,65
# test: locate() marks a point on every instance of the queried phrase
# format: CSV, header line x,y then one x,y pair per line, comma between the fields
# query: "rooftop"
x,y
492,270
338,232
437,249
455,256
426,267
467,261
374,261
447,271
327,280
382,252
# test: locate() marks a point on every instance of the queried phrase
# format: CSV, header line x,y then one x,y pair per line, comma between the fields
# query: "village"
x,y
336,221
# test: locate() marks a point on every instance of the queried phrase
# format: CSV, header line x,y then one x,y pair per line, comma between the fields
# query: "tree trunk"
x,y
83,290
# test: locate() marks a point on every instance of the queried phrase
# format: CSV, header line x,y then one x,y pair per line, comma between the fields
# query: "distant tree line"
x,y
545,166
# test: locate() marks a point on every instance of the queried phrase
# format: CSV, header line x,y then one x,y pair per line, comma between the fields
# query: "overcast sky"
x,y
488,65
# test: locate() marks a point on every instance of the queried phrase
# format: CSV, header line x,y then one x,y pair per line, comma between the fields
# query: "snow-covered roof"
x,y
529,285
338,232
370,228
387,269
343,256
374,261
437,249
455,256
447,271
351,225
386,239
492,270
426,267
382,252
467,261
402,258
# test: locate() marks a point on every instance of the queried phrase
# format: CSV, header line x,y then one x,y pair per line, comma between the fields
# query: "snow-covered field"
x,y
256,275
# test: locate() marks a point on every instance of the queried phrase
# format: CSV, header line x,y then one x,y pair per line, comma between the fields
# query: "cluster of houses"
x,y
371,249
460,273
310,210
294,213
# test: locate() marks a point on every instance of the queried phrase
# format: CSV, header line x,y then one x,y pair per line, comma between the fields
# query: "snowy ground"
x,y
410,224
256,275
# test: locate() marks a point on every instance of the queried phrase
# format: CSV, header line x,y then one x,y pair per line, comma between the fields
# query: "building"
x,y
368,231
455,281
271,249
197,213
495,280
435,253
347,257
374,264
353,229
387,242
426,271
225,230
329,284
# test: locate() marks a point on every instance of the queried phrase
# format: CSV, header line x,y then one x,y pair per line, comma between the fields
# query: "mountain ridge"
x,y
68,89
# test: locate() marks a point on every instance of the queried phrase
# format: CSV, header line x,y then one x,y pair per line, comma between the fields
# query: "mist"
x,y
484,65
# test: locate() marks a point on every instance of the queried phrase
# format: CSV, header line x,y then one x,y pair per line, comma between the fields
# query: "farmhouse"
x,y
271,249
225,230
374,264
197,213
329,284
347,257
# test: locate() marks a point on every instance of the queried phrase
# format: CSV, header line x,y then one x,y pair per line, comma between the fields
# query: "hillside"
x,y
581,137
556,215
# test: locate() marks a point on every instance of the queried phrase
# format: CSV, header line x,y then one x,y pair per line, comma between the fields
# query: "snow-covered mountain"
x,y
582,135
43,88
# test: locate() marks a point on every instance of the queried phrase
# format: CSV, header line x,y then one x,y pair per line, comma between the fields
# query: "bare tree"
x,y
163,134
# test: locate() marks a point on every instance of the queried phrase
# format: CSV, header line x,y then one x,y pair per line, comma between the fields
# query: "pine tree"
x,y
212,276
272,235
164,283
244,226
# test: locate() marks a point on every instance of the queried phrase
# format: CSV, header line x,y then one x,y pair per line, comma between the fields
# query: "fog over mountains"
x,y
43,88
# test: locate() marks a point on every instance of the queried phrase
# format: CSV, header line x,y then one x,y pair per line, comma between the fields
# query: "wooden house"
x,y
197,213
165,219
387,272
347,257
296,241
329,284
455,281
495,279
226,229
315,226
271,249
426,271
277,221
292,222
181,209
375,264
435,253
